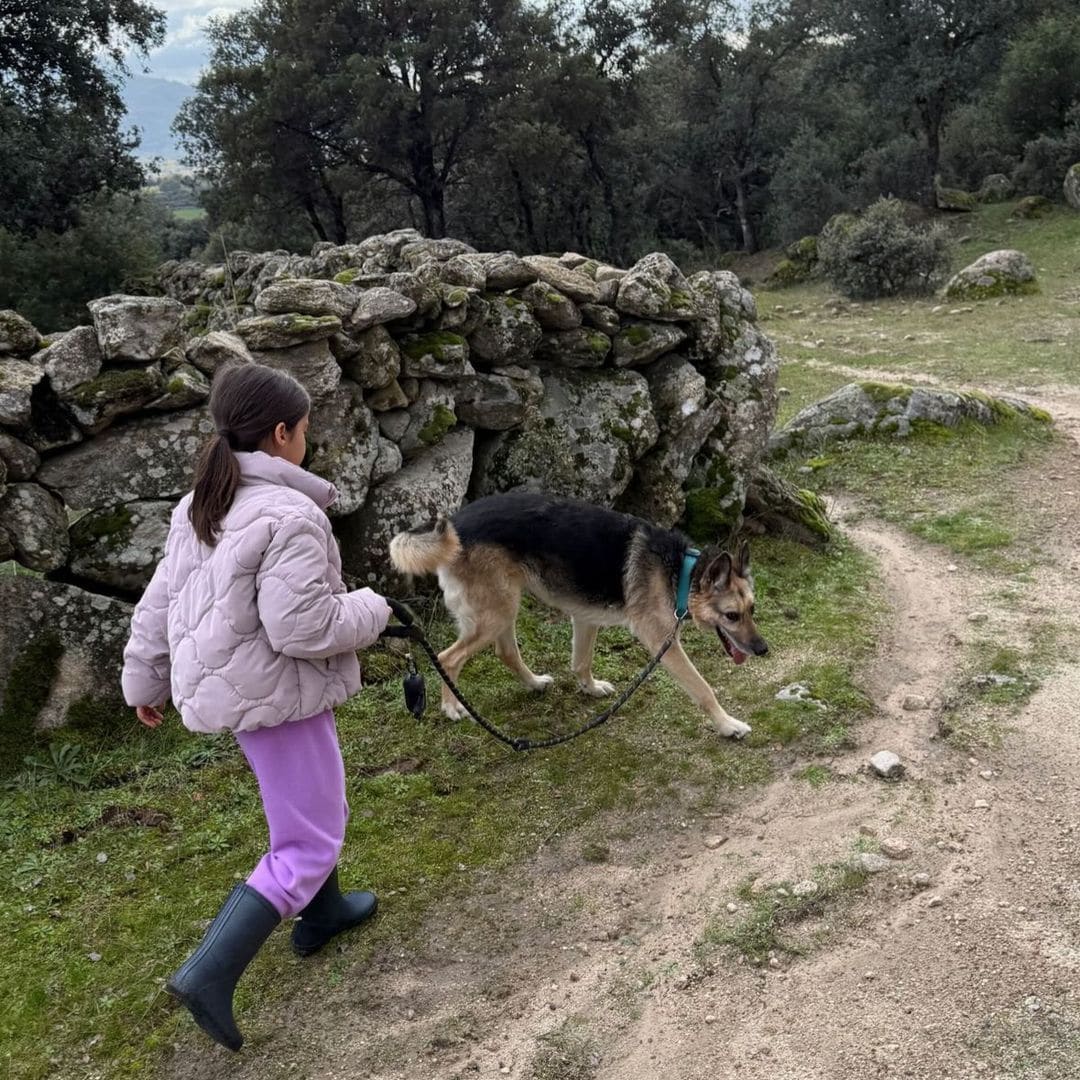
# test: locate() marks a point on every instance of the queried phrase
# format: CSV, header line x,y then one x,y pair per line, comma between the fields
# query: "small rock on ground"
x,y
887,764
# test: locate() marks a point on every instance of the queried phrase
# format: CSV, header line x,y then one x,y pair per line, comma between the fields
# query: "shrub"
x,y
879,253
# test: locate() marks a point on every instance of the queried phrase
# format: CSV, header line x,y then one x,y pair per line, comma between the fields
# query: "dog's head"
x,y
722,599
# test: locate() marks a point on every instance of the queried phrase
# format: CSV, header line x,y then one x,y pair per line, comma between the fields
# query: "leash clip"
x,y
415,691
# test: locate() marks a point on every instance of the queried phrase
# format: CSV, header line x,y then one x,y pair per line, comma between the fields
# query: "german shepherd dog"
x,y
600,567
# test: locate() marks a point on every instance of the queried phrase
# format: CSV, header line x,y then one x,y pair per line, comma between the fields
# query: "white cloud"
x,y
183,55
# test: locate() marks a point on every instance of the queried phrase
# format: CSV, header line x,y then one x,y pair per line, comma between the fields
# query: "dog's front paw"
x,y
540,683
731,728
597,688
453,709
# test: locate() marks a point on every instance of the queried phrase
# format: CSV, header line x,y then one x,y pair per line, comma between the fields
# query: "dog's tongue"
x,y
738,657
733,651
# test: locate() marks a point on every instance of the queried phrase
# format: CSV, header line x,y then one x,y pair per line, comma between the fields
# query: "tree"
x,y
923,58
313,104
60,105
1040,78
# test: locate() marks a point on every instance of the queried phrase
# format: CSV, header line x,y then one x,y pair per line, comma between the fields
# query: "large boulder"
x,y
496,402
640,343
740,366
1072,186
307,296
185,386
686,417
264,332
582,439
552,309
137,329
60,648
149,458
579,348
571,283
312,364
36,526
20,461
17,381
424,423
869,408
433,483
380,305
17,335
371,358
120,546
998,273
504,271
654,288
212,351
1032,206
344,443
74,359
115,392
438,354
507,331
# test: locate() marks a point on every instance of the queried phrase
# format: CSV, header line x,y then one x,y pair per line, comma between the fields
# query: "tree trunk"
x,y
746,224
932,111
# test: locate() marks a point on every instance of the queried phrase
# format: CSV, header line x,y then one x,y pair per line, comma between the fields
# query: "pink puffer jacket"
x,y
258,629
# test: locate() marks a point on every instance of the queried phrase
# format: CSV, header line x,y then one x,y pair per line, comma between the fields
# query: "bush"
x,y
879,253
1048,158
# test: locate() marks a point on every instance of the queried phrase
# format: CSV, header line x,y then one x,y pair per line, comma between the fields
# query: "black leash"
x,y
415,696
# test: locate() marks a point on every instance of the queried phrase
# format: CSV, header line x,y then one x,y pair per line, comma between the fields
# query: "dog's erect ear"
x,y
717,572
742,564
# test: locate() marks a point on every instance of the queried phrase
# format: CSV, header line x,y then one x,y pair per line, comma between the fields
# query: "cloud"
x,y
183,55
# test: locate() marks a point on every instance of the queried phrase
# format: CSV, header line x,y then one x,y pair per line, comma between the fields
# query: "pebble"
x,y
915,703
921,880
987,774
952,568
978,617
102,857
95,957
804,888
981,804
732,908
895,848
574,976
934,901
713,842
887,764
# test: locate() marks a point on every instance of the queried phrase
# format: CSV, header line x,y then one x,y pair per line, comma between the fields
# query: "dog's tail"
x,y
423,551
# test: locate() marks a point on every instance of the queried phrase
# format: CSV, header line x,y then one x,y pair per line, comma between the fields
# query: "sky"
x,y
184,51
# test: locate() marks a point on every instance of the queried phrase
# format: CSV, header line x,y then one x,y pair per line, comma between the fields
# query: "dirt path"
x,y
974,975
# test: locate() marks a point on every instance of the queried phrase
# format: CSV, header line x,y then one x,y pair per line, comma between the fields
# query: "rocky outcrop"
x,y
870,408
436,373
996,188
998,273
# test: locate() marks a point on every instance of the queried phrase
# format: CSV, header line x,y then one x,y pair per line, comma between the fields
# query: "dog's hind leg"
x,y
582,657
506,649
453,659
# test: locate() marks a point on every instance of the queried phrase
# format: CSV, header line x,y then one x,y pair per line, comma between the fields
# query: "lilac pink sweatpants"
x,y
302,782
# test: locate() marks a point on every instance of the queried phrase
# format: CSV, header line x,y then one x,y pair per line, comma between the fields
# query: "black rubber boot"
x,y
206,981
328,914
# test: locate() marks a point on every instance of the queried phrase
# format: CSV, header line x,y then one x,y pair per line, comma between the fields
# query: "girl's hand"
x,y
149,716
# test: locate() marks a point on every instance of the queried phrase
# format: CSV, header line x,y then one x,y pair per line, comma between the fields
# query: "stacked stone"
x,y
437,373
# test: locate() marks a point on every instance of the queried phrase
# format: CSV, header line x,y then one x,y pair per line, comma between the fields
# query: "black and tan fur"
x,y
600,567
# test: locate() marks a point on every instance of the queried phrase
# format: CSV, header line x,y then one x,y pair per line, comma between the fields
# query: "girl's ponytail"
x,y
248,402
217,476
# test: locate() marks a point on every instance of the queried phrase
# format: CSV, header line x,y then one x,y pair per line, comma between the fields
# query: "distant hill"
x,y
152,105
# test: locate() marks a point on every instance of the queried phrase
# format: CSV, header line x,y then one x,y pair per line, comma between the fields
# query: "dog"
x,y
600,567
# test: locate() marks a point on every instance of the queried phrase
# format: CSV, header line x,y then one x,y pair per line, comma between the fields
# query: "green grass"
x,y
177,816
774,915
948,486
190,213
1023,340
568,1052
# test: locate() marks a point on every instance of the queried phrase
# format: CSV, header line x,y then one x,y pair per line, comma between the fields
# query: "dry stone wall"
x,y
437,374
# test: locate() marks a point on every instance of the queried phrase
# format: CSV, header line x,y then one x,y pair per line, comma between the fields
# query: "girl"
x,y
247,626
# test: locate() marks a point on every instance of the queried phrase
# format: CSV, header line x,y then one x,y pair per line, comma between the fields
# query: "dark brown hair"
x,y
247,402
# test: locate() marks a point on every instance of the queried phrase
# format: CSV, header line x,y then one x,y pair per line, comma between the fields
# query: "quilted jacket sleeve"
x,y
146,674
303,617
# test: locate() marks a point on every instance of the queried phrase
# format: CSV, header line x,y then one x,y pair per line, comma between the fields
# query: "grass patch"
x,y
433,801
190,213
817,776
946,485
769,927
1019,340
568,1052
